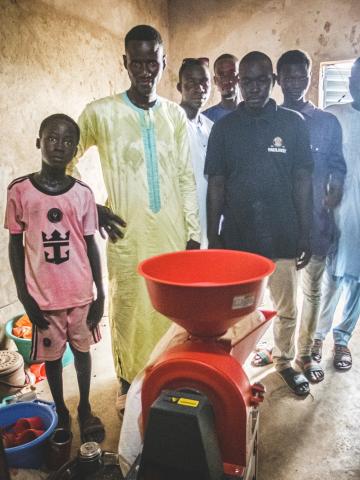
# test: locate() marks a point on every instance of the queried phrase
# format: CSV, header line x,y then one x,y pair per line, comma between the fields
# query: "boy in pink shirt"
x,y
57,264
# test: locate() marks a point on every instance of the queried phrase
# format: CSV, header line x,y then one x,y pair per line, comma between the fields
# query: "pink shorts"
x,y
64,326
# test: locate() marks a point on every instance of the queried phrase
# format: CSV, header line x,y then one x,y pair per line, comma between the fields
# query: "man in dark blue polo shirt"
x,y
259,166
293,75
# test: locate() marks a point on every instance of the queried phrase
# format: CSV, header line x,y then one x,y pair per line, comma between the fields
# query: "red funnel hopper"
x,y
206,291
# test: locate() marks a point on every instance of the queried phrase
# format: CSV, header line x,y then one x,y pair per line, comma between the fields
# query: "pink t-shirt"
x,y
57,268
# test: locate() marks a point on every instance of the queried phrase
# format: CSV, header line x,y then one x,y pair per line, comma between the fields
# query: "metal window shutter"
x,y
336,83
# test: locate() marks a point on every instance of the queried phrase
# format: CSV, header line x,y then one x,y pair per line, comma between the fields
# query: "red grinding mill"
x,y
199,410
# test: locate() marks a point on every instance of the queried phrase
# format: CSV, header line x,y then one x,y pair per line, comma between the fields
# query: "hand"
x,y
96,312
192,245
215,243
303,254
34,313
109,223
333,196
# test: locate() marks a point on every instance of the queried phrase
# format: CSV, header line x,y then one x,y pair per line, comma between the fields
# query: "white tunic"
x,y
347,259
199,131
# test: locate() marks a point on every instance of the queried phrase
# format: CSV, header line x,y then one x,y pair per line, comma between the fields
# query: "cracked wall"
x,y
56,56
327,30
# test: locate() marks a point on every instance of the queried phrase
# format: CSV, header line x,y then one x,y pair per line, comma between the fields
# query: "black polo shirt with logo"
x,y
259,155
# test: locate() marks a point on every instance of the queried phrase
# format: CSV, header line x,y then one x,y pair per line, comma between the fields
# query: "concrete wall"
x,y
56,56
326,29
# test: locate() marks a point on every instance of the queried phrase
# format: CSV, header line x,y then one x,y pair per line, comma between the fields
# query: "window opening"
x,y
334,82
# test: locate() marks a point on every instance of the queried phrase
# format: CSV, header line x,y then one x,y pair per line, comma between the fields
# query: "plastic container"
x,y
39,372
206,291
12,373
24,346
32,454
59,448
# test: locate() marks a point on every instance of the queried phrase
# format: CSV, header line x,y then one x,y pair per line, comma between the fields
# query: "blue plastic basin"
x,y
32,454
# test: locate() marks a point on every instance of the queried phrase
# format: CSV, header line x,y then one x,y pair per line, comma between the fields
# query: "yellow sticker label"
x,y
188,402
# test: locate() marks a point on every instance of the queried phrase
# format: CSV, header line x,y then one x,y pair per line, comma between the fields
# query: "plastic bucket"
x,y
32,454
24,346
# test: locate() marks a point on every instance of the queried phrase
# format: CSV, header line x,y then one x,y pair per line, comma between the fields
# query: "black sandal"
x,y
312,371
296,381
91,428
342,358
316,350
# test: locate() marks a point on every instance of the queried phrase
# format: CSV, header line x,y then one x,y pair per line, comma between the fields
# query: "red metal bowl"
x,y
206,291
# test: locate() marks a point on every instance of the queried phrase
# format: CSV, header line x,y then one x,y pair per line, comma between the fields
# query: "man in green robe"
x,y
144,153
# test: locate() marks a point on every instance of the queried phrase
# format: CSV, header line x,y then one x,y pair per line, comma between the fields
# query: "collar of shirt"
x,y
308,109
199,128
266,113
197,121
138,109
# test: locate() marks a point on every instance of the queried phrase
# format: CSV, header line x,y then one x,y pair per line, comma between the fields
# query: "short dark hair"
x,y
143,33
191,62
293,57
254,57
225,56
59,116
356,64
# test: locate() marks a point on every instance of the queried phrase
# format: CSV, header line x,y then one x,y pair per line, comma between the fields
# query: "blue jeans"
x,y
332,288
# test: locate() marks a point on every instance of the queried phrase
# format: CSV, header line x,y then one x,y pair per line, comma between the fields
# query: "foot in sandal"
x,y
342,357
262,356
316,350
296,381
91,427
312,370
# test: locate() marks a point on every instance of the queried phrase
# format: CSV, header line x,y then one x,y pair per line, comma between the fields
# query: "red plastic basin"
x,y
206,291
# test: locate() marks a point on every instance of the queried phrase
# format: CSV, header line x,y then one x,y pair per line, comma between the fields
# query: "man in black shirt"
x,y
259,165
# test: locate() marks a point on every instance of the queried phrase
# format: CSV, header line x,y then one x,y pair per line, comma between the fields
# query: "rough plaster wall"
x,y
326,29
56,56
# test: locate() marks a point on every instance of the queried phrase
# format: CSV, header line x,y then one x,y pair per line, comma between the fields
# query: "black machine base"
x,y
180,439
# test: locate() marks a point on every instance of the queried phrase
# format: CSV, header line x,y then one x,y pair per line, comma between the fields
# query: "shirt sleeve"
x,y
90,217
215,163
187,180
14,212
337,165
87,138
303,159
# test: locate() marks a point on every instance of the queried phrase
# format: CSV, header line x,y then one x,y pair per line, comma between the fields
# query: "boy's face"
x,y
58,143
